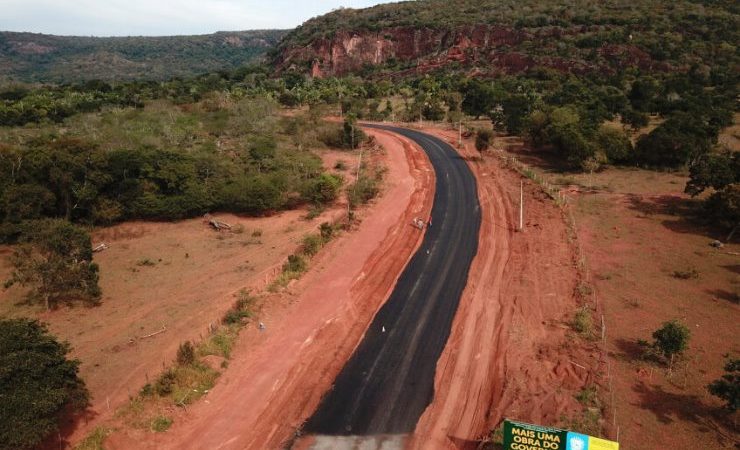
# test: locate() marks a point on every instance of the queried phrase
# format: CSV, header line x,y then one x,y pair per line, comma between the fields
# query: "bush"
x,y
37,382
364,189
160,424
323,189
483,139
186,354
582,323
312,244
165,383
295,264
687,274
326,230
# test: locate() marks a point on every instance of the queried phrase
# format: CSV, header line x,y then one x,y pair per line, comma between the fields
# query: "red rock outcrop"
x,y
493,48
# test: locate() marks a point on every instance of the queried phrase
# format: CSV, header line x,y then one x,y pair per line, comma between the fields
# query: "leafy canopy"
x,y
37,382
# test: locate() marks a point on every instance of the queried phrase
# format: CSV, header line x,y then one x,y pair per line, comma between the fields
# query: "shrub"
x,y
160,424
94,440
323,189
687,274
295,264
326,230
186,354
582,323
483,139
312,244
164,384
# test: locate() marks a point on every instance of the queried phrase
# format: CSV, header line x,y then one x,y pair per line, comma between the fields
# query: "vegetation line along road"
x,y
389,380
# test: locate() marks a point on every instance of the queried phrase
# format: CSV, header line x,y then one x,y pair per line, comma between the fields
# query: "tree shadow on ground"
x,y
685,213
69,422
670,407
545,159
721,294
629,350
734,268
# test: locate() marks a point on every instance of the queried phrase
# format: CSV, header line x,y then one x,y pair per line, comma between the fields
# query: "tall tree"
x,y
37,383
56,261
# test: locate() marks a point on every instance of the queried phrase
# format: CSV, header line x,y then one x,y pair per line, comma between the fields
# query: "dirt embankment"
x,y
510,353
277,377
163,283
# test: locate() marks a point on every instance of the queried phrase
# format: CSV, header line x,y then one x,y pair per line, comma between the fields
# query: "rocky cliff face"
x,y
491,48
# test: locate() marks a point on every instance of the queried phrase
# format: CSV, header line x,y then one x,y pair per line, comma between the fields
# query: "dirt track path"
x,y
276,378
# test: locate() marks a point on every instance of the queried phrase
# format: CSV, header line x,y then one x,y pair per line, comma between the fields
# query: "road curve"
x,y
389,380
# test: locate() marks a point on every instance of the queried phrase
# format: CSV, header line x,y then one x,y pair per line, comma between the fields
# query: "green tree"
x,y
672,339
727,387
37,383
614,143
55,259
678,141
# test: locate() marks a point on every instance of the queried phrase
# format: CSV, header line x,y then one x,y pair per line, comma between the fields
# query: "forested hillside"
x,y
511,36
30,57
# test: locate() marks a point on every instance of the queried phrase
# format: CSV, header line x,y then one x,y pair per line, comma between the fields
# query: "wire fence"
x,y
589,296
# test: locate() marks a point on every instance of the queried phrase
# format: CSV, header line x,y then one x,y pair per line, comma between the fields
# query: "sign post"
x,y
524,436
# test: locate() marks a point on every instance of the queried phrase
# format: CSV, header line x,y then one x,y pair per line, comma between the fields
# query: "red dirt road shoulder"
x,y
278,376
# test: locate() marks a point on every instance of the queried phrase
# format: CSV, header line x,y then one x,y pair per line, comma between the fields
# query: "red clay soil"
x,y
636,237
277,377
173,276
510,353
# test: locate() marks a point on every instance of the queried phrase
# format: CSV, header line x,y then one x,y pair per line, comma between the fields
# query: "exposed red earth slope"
x,y
510,353
277,377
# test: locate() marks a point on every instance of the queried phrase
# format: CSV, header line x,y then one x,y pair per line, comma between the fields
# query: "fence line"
x,y
563,203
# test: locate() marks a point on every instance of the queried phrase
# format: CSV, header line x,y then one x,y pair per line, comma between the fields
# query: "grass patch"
x,y
589,422
588,396
146,262
583,323
688,274
584,289
220,343
314,211
312,243
160,424
365,188
257,233
94,440
241,310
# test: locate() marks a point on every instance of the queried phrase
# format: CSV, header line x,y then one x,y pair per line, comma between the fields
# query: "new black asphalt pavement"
x,y
389,380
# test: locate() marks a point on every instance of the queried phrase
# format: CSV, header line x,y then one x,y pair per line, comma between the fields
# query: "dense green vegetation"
x,y
678,33
162,161
56,261
30,57
37,383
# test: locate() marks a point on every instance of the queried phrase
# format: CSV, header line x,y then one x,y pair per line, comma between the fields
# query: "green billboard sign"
x,y
524,436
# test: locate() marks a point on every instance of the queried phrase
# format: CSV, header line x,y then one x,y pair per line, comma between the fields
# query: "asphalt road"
x,y
389,380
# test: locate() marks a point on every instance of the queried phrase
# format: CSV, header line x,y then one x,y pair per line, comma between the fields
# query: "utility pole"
x,y
459,136
521,205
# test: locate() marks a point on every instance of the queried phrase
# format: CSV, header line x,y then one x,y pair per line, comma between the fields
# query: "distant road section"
x,y
389,380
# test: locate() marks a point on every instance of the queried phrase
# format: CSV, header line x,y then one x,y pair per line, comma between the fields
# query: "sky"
x,y
161,17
